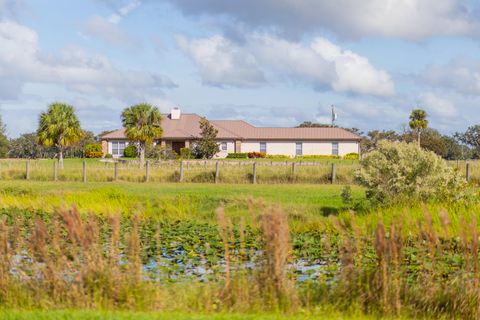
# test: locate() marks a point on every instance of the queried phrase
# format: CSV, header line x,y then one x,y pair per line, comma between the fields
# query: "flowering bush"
x,y
93,150
257,154
397,171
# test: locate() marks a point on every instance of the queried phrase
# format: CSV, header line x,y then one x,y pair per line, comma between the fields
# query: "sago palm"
x,y
59,127
142,123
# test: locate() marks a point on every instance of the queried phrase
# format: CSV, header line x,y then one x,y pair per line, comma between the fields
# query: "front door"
x,y
177,145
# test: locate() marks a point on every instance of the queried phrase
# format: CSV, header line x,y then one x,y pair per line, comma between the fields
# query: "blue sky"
x,y
270,62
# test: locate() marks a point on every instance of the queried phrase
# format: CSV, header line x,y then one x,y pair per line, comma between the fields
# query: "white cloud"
x,y
22,60
124,11
222,63
437,106
110,32
407,19
320,64
461,75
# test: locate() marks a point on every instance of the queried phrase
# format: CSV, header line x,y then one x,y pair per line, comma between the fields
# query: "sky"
x,y
269,62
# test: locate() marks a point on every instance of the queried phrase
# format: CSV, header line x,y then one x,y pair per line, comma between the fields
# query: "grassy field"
x,y
239,172
105,315
186,201
217,251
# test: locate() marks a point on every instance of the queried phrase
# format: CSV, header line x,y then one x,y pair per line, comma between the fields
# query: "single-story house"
x,y
180,130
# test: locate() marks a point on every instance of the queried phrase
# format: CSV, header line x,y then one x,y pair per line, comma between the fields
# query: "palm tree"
x,y
59,127
142,123
418,122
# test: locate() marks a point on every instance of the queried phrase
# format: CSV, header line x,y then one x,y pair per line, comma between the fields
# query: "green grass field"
x,y
105,315
188,201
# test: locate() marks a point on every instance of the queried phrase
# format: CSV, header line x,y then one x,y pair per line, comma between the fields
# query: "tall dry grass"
x,y
69,260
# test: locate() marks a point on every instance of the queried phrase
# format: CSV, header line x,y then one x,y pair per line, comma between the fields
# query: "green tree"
x,y
4,142
142,124
310,124
26,146
471,137
206,146
59,127
418,122
373,137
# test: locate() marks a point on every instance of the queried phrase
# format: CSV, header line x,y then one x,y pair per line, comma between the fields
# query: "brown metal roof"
x,y
187,127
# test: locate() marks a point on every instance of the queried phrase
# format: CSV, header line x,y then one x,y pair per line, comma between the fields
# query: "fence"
x,y
208,171
200,171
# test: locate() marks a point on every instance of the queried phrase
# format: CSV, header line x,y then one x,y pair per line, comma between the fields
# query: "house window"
x,y
298,148
117,148
335,148
223,146
263,147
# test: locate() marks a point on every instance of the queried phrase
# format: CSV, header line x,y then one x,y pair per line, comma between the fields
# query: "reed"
x,y
422,264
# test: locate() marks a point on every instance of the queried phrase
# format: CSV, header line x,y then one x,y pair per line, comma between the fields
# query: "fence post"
x,y
27,170
55,170
115,171
254,180
181,172
217,171
294,171
467,171
334,173
147,171
84,171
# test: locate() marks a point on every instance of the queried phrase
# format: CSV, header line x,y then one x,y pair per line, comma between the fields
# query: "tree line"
x,y
60,135
458,146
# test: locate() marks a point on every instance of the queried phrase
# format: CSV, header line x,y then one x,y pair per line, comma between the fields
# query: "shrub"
x,y
108,156
351,156
130,151
277,156
93,150
254,154
397,171
185,153
319,156
237,155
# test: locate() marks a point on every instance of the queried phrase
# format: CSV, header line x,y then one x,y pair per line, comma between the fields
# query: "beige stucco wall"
x,y
309,147
230,148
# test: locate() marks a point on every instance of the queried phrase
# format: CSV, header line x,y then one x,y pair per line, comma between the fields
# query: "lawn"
x,y
172,199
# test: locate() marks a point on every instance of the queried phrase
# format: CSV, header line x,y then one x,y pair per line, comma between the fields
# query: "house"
x,y
180,130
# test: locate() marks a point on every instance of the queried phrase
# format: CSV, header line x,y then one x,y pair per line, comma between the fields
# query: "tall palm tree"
x,y
142,123
418,122
59,127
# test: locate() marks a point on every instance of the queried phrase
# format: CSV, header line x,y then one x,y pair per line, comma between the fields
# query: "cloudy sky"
x,y
270,62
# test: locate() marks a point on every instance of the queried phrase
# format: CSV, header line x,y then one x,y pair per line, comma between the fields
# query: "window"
x,y
223,146
335,148
117,148
263,147
298,148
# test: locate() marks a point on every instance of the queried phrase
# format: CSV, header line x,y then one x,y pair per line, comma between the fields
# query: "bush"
x,y
93,150
399,171
108,156
278,156
319,156
160,153
185,153
351,156
237,155
253,155
130,151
